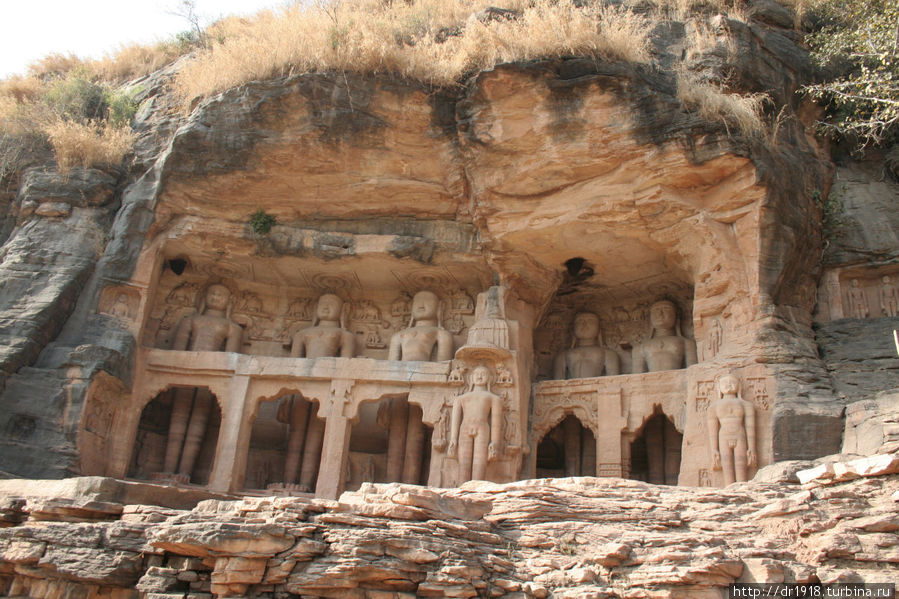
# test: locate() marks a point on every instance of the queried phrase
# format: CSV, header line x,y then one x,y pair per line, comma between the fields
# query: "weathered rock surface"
x,y
572,537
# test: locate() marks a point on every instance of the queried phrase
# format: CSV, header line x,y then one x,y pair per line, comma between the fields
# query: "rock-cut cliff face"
x,y
571,185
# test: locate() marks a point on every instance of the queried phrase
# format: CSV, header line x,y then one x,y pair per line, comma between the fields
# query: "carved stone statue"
x,y
889,302
210,330
476,430
425,339
731,421
858,303
666,349
326,337
586,358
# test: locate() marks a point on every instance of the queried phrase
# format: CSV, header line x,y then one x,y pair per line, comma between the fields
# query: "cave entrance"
x,y
569,449
656,451
285,445
177,436
389,442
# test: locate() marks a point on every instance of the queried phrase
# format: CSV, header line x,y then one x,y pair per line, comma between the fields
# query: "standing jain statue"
x,y
731,421
478,420
586,358
666,349
425,339
326,337
210,330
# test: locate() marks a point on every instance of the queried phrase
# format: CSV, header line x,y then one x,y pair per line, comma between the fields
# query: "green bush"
x,y
262,222
76,97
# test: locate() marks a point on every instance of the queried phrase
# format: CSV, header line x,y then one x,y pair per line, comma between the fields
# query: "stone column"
x,y
571,429
655,450
396,438
332,472
196,430
182,399
673,440
415,438
234,439
299,418
312,452
613,449
588,453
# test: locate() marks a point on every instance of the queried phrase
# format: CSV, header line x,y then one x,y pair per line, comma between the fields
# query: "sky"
x,y
91,28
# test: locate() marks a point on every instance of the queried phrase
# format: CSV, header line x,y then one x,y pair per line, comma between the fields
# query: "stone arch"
x,y
389,442
585,412
177,434
567,447
284,443
655,449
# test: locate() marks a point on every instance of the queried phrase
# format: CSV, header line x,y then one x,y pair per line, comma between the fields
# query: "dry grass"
x,y
715,104
434,41
87,145
134,60
683,9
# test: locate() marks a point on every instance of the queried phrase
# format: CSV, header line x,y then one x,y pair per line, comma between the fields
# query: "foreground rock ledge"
x,y
569,537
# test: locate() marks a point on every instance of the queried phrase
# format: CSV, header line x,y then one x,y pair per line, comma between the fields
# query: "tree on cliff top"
x,y
858,42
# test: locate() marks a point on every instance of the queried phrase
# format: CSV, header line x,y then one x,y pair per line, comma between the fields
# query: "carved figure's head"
x,y
663,315
586,326
217,297
886,279
855,282
480,376
328,308
424,306
728,384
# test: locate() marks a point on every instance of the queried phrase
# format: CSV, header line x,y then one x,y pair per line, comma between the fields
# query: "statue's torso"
x,y
730,412
476,406
322,342
585,362
664,353
418,342
208,333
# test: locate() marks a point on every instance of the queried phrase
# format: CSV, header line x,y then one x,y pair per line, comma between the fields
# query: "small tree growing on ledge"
x,y
262,222
859,41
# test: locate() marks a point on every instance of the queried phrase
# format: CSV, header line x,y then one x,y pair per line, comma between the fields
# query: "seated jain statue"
x,y
326,337
666,349
210,330
476,428
586,358
731,421
425,339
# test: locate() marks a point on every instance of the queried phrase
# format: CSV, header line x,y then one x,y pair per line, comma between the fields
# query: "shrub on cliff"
x,y
858,43
86,122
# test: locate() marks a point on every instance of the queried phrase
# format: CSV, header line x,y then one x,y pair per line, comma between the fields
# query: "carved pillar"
x,y
234,439
196,430
299,418
181,407
126,423
673,440
396,438
571,429
655,450
588,453
312,452
332,473
613,449
625,448
415,441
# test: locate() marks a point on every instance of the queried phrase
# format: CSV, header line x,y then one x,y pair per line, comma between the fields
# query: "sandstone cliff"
x,y
577,538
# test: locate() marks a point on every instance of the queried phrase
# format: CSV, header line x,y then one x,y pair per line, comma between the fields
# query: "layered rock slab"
x,y
570,537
